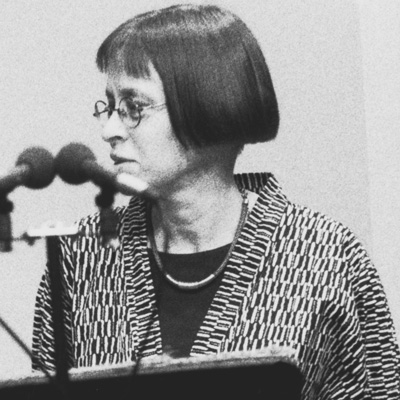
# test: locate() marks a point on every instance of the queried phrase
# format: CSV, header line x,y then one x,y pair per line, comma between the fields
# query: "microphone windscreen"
x,y
41,165
69,163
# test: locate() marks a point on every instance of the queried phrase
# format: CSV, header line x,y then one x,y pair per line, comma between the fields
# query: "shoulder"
x,y
90,228
312,224
329,242
91,223
291,221
292,224
121,216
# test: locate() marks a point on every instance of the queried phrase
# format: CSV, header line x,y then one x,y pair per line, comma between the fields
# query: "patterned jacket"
x,y
296,278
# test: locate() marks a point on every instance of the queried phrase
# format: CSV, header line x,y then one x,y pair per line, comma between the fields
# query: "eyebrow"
x,y
129,92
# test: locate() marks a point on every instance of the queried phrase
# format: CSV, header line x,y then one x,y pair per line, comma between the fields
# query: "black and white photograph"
x,y
200,199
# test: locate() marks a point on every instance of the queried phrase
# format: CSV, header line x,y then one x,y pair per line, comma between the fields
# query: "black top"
x,y
181,312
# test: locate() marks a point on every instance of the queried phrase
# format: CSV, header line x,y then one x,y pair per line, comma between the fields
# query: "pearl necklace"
x,y
196,285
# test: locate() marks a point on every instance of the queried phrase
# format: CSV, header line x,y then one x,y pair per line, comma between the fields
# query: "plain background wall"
x,y
380,34
335,66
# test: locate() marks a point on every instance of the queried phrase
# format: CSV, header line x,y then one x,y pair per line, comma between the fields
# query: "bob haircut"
x,y
217,84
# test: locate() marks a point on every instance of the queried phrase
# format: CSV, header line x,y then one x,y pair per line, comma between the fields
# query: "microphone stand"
x,y
61,348
6,207
109,237
57,291
108,218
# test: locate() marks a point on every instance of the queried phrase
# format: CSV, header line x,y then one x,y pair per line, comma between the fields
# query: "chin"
x,y
131,184
131,168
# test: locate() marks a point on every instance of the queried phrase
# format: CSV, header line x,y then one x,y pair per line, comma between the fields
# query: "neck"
x,y
201,215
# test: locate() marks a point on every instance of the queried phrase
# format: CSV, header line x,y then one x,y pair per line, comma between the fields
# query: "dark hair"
x,y
216,81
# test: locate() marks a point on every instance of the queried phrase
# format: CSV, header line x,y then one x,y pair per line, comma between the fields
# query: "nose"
x,y
114,129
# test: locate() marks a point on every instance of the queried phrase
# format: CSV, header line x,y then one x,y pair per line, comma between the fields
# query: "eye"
x,y
131,108
134,105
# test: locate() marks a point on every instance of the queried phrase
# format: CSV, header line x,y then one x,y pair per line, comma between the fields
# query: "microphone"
x,y
76,164
34,169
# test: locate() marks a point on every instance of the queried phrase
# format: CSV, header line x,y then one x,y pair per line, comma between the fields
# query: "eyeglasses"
x,y
129,112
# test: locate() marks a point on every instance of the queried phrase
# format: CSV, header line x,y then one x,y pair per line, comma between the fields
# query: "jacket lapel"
x,y
142,315
249,254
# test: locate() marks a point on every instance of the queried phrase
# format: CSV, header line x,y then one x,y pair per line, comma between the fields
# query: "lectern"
x,y
263,374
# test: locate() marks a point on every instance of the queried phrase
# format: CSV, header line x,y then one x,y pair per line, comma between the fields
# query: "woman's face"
x,y
150,152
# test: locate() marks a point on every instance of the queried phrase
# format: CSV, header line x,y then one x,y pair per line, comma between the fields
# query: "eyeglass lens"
x,y
128,111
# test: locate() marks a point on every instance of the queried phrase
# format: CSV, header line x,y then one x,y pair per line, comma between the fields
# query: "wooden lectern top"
x,y
271,373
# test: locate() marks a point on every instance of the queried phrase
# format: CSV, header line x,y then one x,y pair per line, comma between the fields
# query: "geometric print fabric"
x,y
295,278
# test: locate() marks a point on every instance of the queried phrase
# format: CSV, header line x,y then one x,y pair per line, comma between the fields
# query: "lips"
x,y
119,160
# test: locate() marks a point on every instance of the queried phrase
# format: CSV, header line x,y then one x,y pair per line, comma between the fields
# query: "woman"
x,y
208,261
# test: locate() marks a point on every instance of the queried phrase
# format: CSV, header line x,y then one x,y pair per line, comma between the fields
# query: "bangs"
x,y
123,51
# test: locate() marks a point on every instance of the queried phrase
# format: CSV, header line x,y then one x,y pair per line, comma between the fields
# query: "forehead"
x,y
119,85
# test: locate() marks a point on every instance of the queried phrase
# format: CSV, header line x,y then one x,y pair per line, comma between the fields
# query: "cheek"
x,y
163,149
168,156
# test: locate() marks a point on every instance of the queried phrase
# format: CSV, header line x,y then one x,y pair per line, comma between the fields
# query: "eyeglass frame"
x,y
111,110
